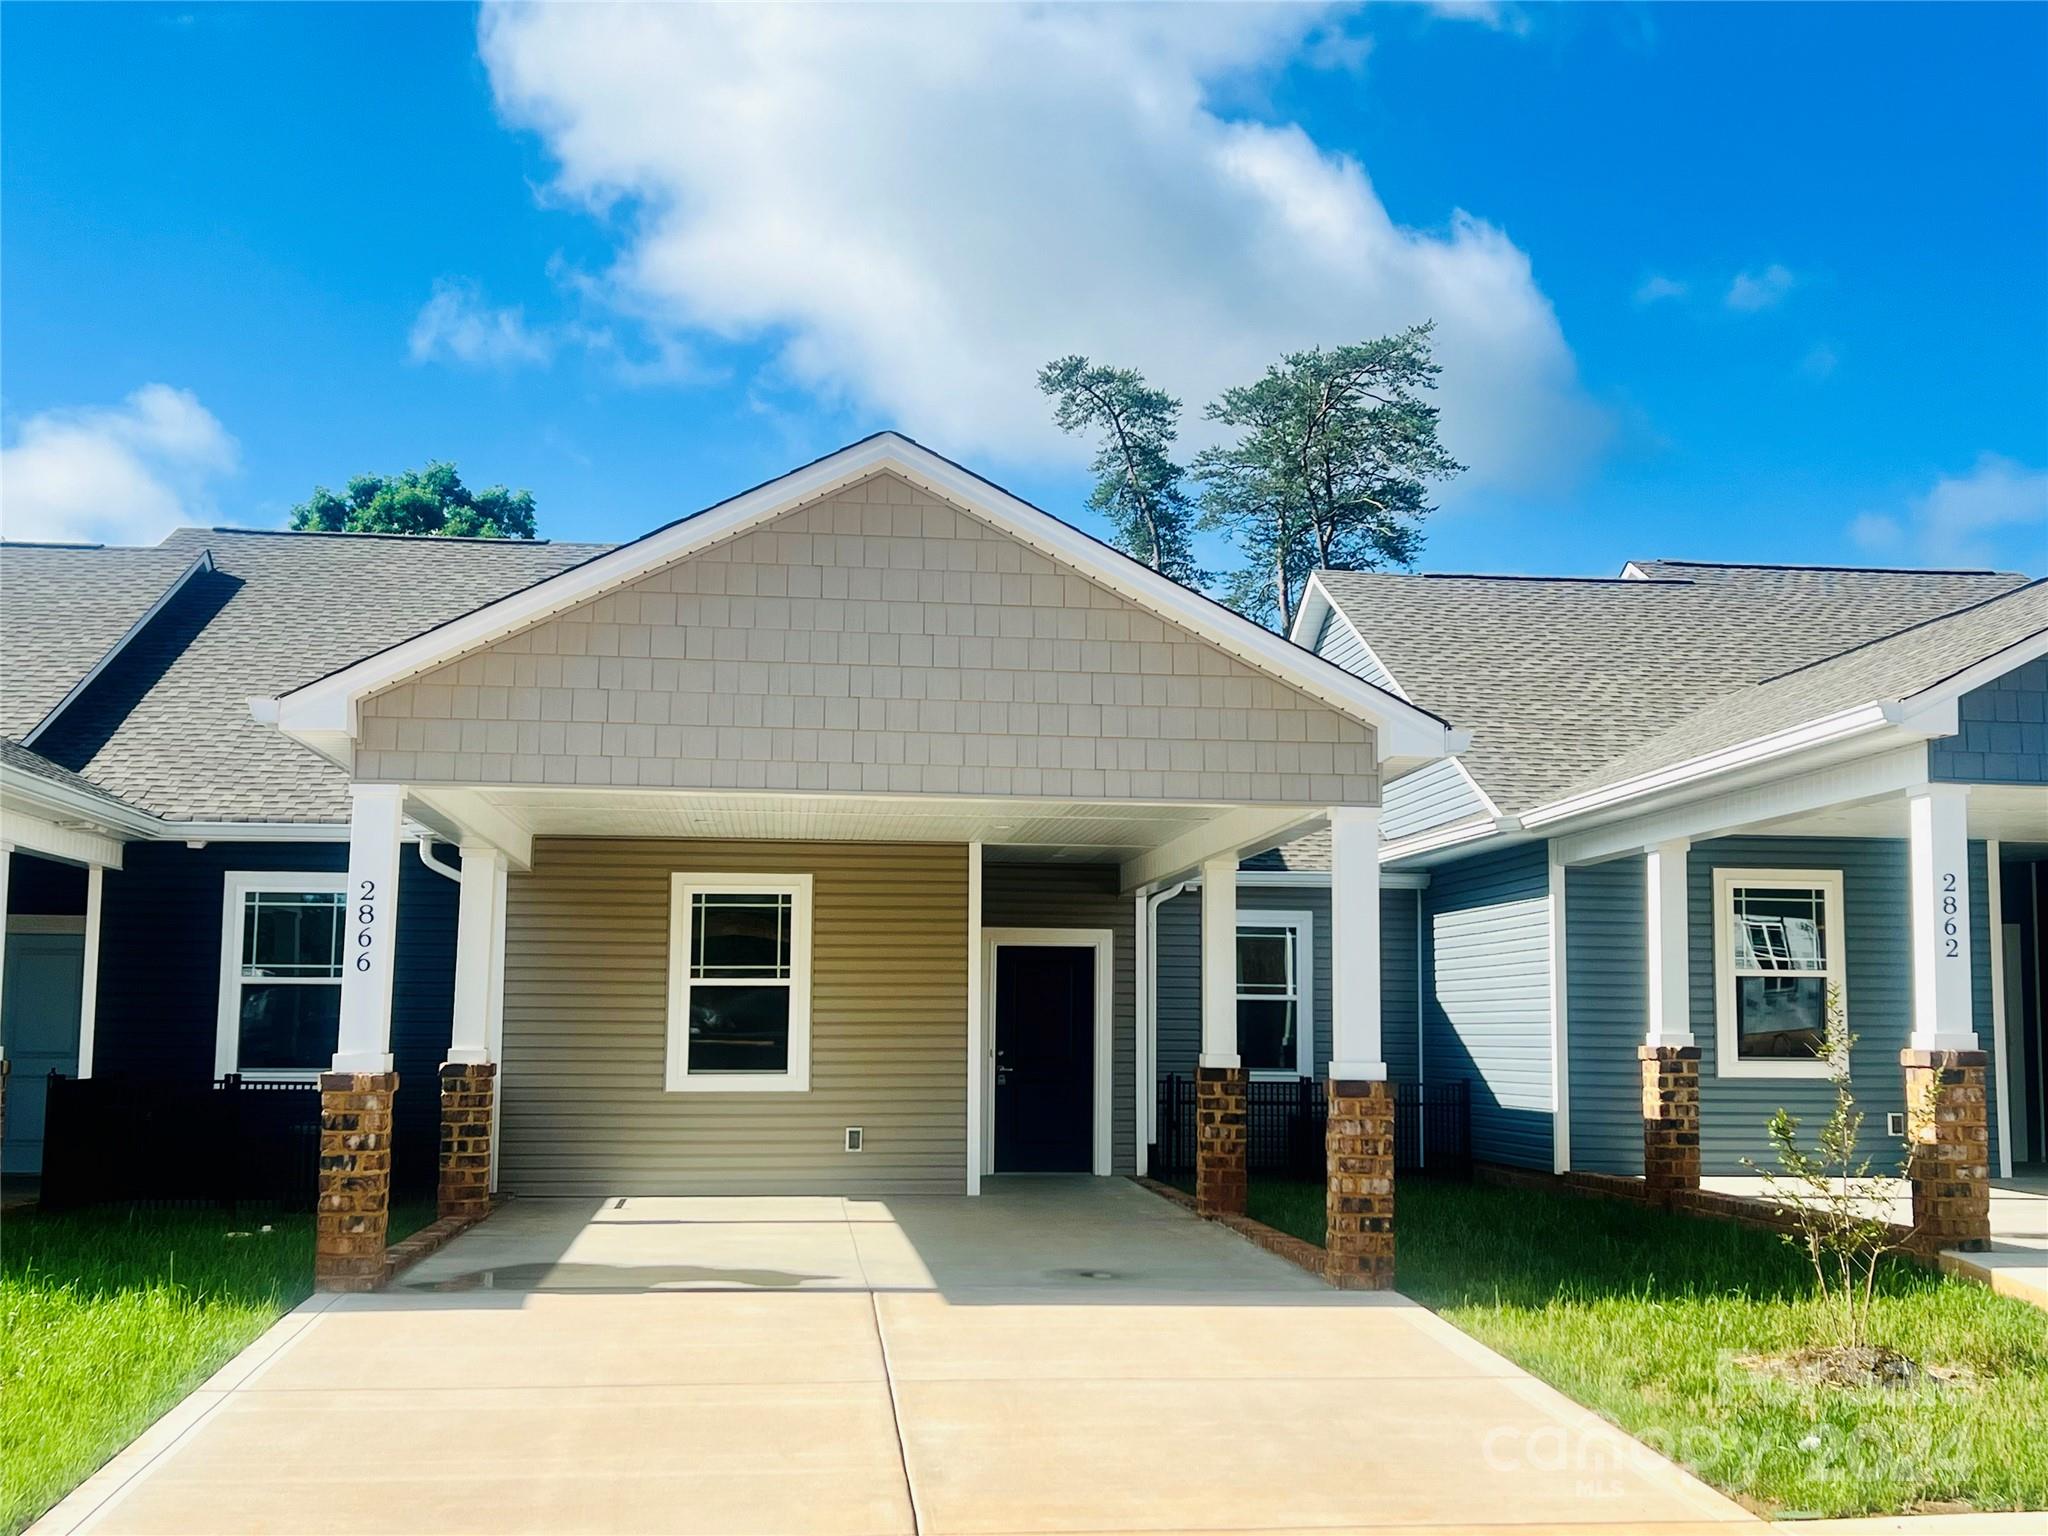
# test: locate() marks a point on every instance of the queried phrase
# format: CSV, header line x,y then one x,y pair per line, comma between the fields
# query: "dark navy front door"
x,y
1045,1058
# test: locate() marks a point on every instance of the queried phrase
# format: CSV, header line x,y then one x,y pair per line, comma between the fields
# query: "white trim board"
x,y
1727,1061
1103,942
324,710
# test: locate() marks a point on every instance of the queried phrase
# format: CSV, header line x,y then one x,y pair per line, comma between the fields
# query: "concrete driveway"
x,y
1060,1355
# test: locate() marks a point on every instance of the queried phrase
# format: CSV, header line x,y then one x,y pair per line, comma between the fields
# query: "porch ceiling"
x,y
1017,829
2007,812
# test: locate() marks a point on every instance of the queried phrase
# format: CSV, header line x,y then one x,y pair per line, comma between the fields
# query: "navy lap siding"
x,y
159,987
1486,957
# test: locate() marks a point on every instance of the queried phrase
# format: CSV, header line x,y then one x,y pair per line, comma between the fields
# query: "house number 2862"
x,y
366,923
1951,940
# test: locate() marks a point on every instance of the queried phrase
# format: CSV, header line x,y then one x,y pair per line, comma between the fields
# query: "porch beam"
x,y
465,817
1232,834
376,823
1357,1053
29,833
1669,937
1937,817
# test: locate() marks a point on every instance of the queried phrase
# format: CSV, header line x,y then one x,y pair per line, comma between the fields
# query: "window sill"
x,y
1811,1071
739,1082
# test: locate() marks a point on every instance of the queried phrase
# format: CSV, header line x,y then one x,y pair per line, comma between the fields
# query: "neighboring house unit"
x,y
1697,796
172,869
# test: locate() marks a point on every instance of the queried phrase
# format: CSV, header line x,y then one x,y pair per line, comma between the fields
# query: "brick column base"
x,y
468,1092
1671,1118
355,1180
1949,1148
1358,1240
1219,1141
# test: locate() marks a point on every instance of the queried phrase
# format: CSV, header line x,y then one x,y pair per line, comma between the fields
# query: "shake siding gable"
x,y
584,1111
878,641
2004,734
1486,957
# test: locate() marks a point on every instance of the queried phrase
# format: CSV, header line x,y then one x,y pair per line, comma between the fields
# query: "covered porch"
x,y
702,994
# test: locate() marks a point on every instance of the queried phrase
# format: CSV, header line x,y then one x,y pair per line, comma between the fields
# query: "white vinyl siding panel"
x,y
584,1111
1429,797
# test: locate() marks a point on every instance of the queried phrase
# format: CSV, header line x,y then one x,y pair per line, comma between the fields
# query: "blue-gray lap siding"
x,y
1607,1004
2004,732
1486,1012
1179,973
159,987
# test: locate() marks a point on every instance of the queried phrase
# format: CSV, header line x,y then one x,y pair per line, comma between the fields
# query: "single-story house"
x,y
872,831
1697,797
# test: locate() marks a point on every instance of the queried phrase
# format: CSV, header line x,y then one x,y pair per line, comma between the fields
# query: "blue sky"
x,y
1746,282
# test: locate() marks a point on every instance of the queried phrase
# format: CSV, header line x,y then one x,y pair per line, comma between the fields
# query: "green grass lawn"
x,y
108,1317
1641,1314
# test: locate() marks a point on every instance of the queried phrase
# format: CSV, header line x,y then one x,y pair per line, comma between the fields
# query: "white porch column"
x,y
1670,969
1219,963
1356,1052
479,940
1938,827
376,815
89,975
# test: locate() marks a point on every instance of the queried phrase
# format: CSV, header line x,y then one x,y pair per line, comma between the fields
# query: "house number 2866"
x,y
366,922
1951,935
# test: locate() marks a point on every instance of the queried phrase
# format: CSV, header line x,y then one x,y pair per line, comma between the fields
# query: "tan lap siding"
x,y
586,1009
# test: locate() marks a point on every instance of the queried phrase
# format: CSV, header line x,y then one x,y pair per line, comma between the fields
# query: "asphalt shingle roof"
x,y
62,608
167,726
31,762
1558,677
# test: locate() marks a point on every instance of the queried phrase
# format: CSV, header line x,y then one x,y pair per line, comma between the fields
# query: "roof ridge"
x,y
1593,581
1872,570
351,533
61,544
1939,618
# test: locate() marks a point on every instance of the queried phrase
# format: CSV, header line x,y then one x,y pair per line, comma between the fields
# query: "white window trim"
x,y
1829,883
227,1042
678,1078
1303,924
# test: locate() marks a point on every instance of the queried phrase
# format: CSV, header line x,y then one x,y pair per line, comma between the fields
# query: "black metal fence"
x,y
1285,1120
139,1140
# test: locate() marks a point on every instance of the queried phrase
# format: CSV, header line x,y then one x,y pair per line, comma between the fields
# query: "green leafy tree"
x,y
431,502
1139,487
1334,456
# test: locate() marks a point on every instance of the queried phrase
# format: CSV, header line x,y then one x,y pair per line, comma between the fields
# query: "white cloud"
x,y
918,207
124,474
1752,291
1997,514
1488,13
1657,286
1820,362
458,325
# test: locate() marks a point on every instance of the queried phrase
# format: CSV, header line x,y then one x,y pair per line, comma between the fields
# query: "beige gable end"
x,y
880,641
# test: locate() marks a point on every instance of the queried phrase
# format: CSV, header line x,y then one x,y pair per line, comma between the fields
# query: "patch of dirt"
x,y
1854,1365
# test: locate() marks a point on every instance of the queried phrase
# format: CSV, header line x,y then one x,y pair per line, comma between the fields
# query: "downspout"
x,y
446,871
1148,1022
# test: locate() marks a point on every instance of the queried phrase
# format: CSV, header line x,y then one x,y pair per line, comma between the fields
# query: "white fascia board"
x,y
1819,788
1828,731
1237,833
27,794
1403,731
203,563
1457,836
1390,879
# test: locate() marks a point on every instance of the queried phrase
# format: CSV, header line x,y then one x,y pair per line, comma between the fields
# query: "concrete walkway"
x,y
1058,1356
2016,1264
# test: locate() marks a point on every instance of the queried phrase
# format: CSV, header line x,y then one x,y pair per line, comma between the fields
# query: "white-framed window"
x,y
739,984
280,972
1778,948
1276,1026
